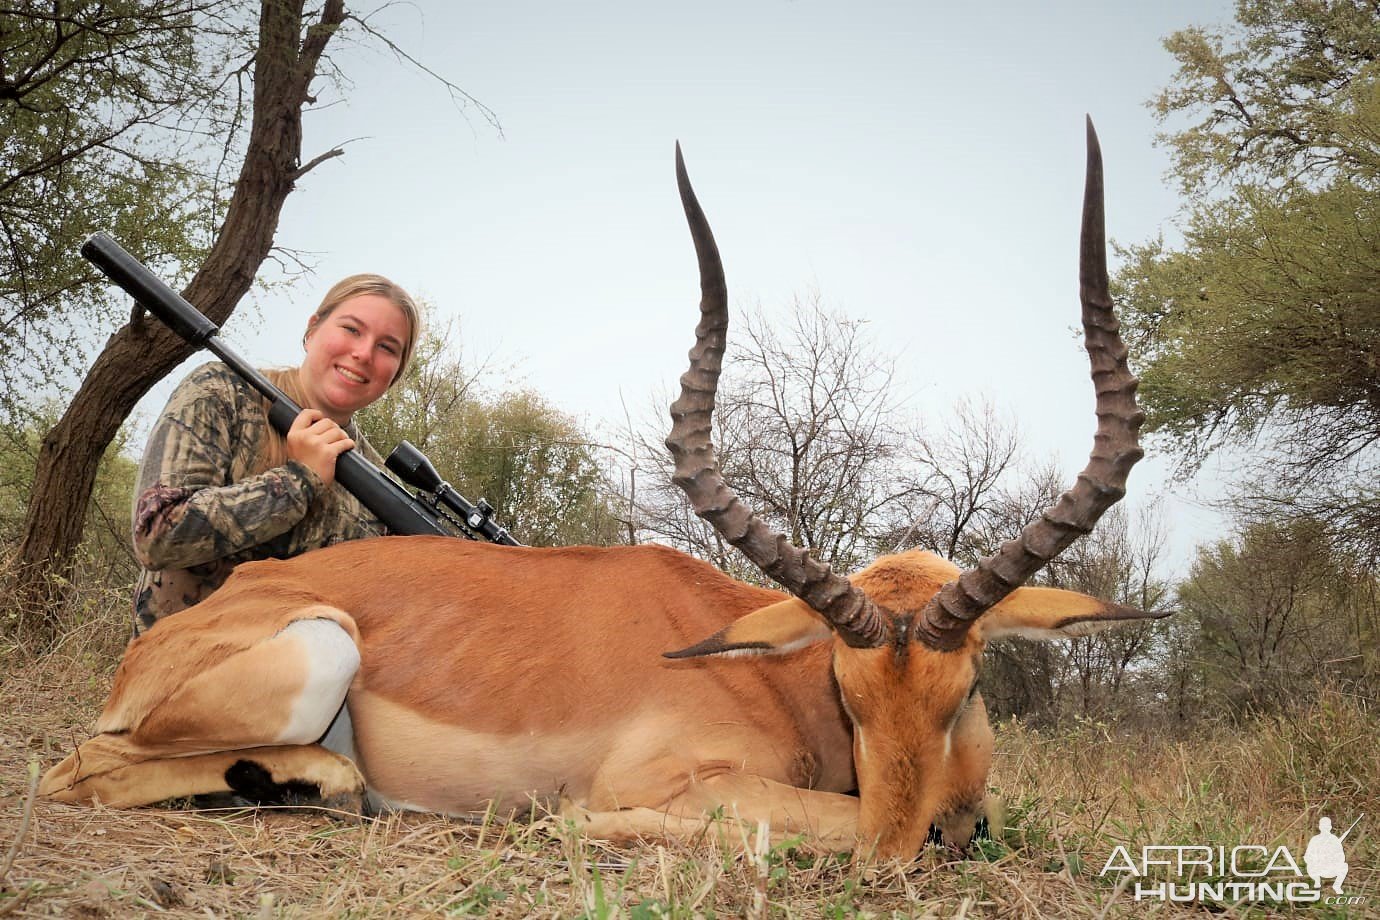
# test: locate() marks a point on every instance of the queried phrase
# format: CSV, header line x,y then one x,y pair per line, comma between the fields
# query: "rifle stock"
x,y
399,510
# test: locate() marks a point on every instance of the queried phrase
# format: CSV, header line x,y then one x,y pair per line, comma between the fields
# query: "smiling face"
x,y
352,355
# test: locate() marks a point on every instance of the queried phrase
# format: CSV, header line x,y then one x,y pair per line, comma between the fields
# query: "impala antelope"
x,y
642,687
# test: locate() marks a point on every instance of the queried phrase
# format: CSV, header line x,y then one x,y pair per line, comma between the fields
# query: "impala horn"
x,y
851,613
946,619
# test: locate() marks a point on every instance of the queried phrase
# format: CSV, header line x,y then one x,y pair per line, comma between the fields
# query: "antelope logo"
x,y
437,674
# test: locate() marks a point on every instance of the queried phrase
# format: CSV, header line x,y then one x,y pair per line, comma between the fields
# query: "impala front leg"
x,y
827,818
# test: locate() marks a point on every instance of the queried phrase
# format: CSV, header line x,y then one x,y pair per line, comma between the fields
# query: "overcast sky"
x,y
919,164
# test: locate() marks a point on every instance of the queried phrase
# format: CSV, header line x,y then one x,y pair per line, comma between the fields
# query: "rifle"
x,y
399,510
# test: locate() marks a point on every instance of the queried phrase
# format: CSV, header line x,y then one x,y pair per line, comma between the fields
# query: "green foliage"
x,y
533,463
649,909
106,108
536,466
1260,332
1270,314
480,900
108,527
1293,91
1279,613
104,566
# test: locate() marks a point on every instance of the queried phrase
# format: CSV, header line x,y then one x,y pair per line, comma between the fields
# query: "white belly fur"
x,y
413,763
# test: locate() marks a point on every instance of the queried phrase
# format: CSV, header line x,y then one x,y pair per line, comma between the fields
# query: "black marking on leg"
x,y
251,781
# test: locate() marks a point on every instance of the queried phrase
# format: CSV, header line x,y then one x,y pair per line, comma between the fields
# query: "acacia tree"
x,y
104,107
1260,330
1288,94
105,556
286,56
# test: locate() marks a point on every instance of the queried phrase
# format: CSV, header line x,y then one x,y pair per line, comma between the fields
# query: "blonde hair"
x,y
273,451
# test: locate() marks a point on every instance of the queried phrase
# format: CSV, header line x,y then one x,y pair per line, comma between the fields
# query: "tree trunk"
x,y
143,352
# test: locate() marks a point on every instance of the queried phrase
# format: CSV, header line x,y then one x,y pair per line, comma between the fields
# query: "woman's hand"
x,y
315,442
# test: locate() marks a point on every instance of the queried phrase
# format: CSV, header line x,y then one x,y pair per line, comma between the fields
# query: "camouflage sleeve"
x,y
188,510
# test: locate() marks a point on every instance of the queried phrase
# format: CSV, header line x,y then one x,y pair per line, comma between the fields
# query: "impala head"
x,y
908,631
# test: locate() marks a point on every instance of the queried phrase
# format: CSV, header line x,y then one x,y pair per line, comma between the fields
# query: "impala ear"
x,y
1052,613
772,630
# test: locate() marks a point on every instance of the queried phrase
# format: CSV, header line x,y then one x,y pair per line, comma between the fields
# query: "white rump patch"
x,y
331,660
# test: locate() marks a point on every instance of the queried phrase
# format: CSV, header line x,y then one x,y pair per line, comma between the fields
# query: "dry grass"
x,y
1072,796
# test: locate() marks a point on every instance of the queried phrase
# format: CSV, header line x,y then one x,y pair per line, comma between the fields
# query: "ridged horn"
x,y
848,610
946,619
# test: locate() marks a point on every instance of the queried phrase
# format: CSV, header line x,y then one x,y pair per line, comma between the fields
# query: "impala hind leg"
x,y
115,771
827,818
177,722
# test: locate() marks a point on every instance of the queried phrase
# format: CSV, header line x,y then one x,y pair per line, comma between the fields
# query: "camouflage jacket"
x,y
200,509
